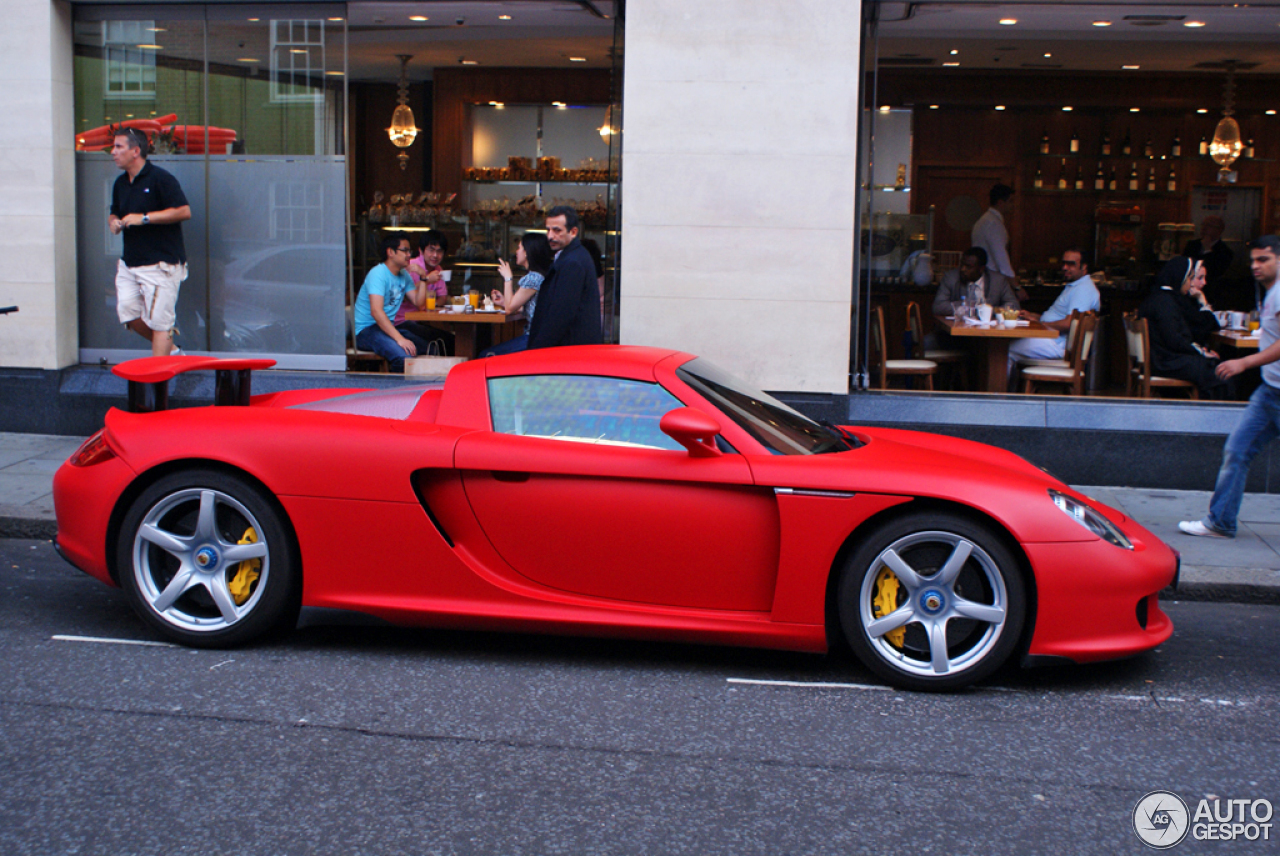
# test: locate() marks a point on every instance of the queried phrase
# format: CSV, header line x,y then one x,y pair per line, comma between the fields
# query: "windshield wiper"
x,y
849,440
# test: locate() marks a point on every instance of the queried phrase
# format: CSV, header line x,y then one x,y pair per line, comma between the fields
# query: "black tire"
x,y
938,625
178,557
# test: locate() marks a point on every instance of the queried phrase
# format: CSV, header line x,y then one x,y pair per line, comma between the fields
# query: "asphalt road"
x,y
369,740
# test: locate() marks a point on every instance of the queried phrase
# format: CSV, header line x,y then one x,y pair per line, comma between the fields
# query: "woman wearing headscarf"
x,y
1180,321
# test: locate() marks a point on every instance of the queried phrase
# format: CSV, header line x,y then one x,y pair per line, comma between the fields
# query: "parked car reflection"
x,y
286,299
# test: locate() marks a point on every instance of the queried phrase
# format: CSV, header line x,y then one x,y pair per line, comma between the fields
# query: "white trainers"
x,y
1196,527
177,352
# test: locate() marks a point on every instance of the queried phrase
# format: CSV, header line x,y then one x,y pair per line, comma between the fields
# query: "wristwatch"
x,y
146,218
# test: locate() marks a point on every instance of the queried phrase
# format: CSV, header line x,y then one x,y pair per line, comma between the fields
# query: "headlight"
x,y
1090,519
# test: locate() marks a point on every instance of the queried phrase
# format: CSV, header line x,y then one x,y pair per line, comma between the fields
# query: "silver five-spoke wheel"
x,y
205,559
932,602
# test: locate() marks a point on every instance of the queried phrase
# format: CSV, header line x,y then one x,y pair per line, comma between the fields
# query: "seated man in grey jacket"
x,y
956,284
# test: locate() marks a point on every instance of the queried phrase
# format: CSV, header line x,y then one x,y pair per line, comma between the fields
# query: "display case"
x,y
890,243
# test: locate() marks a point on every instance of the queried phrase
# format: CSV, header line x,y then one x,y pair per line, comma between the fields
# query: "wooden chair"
x,y
357,357
1073,330
1137,336
954,360
1072,377
883,368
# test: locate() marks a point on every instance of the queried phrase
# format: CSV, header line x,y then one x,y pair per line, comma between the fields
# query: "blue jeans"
x,y
1259,425
372,338
511,346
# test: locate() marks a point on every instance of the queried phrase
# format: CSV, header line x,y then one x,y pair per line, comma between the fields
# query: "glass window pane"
x,y
589,409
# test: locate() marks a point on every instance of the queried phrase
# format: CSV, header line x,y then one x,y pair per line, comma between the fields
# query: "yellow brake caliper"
x,y
241,585
886,601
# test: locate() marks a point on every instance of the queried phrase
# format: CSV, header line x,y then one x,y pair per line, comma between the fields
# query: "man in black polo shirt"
x,y
148,206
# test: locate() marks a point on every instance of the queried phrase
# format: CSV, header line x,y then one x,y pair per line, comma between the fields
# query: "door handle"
x,y
510,476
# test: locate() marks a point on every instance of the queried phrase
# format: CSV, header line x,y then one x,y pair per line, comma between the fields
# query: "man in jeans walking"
x,y
1260,423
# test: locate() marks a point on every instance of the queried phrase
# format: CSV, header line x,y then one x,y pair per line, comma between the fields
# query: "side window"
x,y
582,408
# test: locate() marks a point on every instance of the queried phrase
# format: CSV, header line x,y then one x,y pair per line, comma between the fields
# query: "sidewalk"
x,y
1244,570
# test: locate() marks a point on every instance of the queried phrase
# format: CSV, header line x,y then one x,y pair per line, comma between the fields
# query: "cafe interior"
x,y
1120,128
315,129
303,134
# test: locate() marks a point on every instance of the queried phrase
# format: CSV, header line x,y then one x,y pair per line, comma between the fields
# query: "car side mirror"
x,y
693,429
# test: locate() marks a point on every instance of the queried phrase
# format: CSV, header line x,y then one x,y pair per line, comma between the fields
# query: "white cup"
x,y
1237,320
984,313
446,275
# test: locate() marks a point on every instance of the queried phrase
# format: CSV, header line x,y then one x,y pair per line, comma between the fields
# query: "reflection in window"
x,y
588,409
130,67
297,211
297,60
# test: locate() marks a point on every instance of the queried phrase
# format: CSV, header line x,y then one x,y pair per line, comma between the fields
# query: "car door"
x,y
579,490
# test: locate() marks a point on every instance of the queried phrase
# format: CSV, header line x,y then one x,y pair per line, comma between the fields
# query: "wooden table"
x,y
993,343
1238,339
498,327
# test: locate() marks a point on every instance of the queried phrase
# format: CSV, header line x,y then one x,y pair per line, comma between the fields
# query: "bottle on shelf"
x,y
1099,180
1062,176
1111,182
1172,184
1075,143
1039,180
1079,185
1106,144
1126,148
1044,143
1204,145
1151,179
1248,148
1176,151
1146,148
1133,176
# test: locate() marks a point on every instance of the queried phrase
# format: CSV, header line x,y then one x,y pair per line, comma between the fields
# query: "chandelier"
x,y
402,131
1227,145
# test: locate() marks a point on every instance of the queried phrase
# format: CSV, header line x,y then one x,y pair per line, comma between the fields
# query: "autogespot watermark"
x,y
1162,820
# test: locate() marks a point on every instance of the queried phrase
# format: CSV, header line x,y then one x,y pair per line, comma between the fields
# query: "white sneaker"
x,y
1196,527
176,352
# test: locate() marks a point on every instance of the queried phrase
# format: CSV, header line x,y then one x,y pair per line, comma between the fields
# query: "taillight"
x,y
92,451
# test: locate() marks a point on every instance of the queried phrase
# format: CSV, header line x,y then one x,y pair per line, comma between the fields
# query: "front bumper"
x,y
1097,601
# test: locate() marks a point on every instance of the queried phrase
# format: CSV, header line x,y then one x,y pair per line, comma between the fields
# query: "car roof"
x,y
629,361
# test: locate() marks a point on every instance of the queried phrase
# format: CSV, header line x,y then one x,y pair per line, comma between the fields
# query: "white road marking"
x,y
104,641
840,686
810,684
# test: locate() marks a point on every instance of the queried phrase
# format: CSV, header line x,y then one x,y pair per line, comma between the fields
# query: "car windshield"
x,y
776,426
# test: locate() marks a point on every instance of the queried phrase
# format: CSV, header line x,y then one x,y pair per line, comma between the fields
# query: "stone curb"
x,y
1223,593
30,528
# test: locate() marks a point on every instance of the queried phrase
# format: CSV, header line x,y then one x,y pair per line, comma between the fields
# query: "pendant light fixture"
x,y
403,131
1227,145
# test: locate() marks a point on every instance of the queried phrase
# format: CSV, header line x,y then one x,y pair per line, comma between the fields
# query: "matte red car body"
x,y
661,545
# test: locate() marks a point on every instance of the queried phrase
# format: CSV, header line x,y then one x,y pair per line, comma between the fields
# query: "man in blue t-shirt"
x,y
385,288
1078,294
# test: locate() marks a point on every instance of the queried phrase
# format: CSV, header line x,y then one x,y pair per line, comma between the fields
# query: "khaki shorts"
x,y
149,292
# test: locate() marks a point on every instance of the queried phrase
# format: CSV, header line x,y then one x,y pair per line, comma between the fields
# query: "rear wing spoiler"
x,y
149,379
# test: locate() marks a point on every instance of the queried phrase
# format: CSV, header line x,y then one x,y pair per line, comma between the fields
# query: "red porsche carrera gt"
x,y
617,491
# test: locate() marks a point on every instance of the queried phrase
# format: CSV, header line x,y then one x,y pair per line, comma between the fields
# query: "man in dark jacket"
x,y
569,300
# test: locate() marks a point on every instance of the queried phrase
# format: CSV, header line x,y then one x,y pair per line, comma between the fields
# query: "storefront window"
x,y
244,105
1099,119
